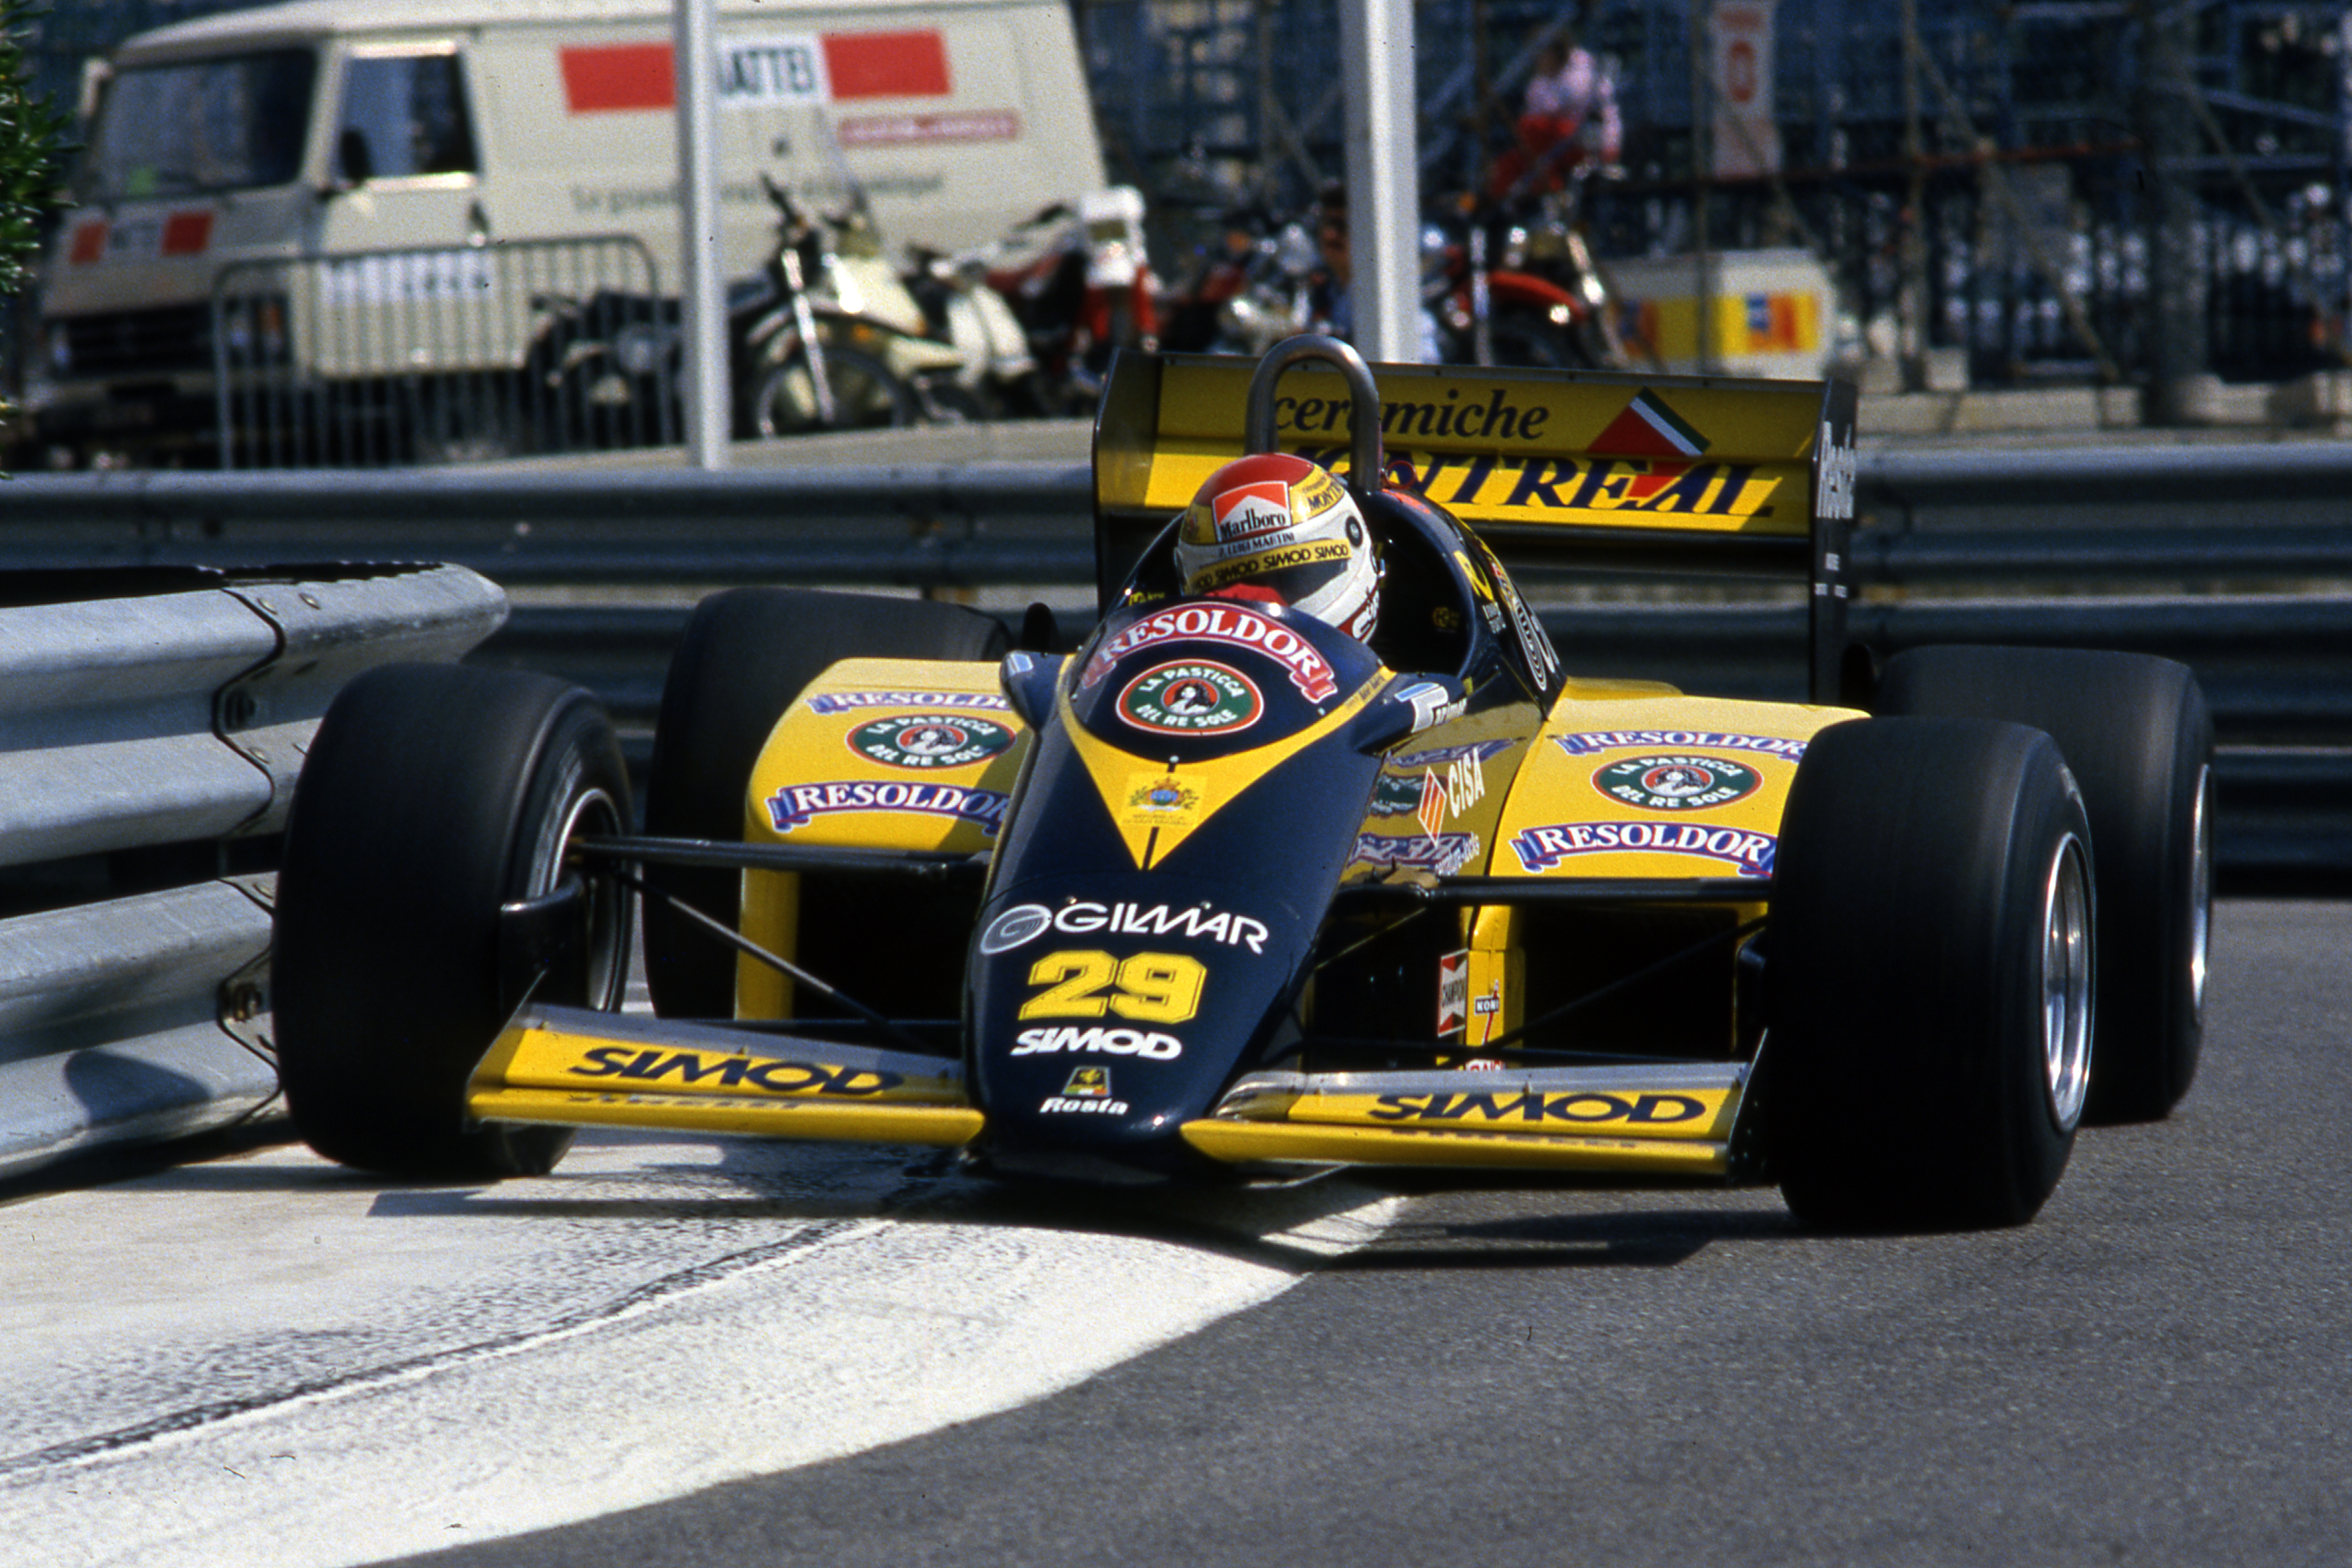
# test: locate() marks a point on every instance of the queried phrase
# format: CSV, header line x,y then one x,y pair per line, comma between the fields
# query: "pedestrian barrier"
x,y
157,719
446,354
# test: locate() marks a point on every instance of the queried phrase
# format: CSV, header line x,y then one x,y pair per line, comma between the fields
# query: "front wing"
x,y
571,1067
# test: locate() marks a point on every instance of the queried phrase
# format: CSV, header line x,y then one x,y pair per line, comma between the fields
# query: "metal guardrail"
x,y
156,723
2236,559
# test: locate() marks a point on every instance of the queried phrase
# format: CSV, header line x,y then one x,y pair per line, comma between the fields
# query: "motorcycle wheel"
x,y
866,394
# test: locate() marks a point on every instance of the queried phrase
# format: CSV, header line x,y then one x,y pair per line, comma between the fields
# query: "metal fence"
x,y
439,354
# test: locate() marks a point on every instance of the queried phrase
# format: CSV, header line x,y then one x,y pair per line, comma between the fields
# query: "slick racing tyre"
x,y
1930,977
432,796
746,655
2138,740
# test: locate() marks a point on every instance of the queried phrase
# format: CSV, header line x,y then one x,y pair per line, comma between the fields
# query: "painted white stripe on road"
x,y
268,1360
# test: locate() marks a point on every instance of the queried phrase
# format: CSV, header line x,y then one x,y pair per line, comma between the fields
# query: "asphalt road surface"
x,y
702,1354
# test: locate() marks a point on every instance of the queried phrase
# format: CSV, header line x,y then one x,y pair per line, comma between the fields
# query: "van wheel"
x,y
746,655
432,796
1930,973
2138,737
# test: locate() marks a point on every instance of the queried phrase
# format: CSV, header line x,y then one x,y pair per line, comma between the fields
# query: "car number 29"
x,y
1150,987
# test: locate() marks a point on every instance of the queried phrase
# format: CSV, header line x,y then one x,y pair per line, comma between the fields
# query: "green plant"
x,y
32,133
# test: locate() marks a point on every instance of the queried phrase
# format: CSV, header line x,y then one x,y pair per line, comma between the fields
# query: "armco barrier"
x,y
2233,558
156,720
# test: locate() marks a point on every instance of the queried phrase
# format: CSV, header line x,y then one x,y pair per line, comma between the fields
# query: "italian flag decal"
x,y
1648,428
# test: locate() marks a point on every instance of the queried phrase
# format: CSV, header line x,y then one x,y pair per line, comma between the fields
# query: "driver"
x,y
1280,531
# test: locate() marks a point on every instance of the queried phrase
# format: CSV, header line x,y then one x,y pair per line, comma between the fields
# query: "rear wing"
x,y
1590,469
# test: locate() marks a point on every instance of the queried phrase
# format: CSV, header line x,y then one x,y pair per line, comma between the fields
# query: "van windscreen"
x,y
231,123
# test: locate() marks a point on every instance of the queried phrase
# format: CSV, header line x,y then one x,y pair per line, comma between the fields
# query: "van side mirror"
x,y
355,163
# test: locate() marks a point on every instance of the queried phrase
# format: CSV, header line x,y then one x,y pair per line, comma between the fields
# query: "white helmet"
x,y
1279,530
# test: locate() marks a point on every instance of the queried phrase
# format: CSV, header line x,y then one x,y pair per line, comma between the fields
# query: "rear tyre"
x,y
2140,741
746,655
433,795
1930,976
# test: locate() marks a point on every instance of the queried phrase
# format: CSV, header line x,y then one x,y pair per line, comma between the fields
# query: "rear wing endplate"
x,y
1589,469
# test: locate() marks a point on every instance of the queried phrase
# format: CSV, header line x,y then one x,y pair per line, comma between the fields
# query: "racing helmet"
x,y
1279,530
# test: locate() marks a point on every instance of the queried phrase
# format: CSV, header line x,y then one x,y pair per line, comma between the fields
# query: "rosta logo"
x,y
1681,783
1194,696
922,741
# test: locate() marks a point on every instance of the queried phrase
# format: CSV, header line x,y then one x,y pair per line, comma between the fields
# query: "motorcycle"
x,y
1524,287
1249,290
1000,377
826,336
1081,285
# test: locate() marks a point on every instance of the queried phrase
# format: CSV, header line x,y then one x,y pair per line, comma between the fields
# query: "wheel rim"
x,y
592,813
2201,889
2066,985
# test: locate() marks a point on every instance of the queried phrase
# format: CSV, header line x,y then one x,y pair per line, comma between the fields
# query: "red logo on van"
x,y
188,234
604,78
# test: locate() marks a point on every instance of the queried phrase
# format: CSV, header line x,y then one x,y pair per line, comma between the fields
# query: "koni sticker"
x,y
1679,782
797,805
1541,848
921,741
1191,696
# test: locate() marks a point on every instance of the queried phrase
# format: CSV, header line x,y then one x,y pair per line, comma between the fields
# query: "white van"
x,y
401,145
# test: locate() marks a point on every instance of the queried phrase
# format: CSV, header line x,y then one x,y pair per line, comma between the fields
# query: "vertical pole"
x,y
1911,294
2179,336
693,50
1702,110
1376,53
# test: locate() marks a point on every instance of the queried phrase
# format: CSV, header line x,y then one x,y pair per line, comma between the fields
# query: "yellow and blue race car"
x,y
1229,891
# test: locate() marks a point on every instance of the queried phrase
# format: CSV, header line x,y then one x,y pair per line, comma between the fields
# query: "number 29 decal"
x,y
1150,987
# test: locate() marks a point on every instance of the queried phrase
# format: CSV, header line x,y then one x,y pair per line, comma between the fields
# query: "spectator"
x,y
1568,119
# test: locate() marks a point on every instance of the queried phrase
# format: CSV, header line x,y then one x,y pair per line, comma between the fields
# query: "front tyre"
x,y
432,796
1931,955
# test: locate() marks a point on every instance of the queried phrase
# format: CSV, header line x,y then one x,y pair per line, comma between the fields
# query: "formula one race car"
x,y
1240,886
